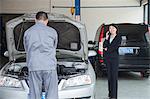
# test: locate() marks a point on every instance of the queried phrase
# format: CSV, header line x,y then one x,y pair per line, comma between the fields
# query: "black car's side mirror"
x,y
91,45
91,42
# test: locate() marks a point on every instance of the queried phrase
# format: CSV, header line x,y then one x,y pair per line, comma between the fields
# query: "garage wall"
x,y
24,6
92,17
93,21
0,6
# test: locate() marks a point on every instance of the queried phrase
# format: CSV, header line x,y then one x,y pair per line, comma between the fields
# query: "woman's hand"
x,y
107,35
105,49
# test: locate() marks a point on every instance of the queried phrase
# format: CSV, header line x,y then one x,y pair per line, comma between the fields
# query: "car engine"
x,y
64,70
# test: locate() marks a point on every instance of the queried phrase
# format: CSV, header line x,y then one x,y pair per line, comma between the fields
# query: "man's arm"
x,y
56,40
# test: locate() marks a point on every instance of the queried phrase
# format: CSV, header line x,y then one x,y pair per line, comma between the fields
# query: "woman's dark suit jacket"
x,y
112,48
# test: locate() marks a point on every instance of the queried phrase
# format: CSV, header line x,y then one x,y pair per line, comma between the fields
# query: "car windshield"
x,y
68,35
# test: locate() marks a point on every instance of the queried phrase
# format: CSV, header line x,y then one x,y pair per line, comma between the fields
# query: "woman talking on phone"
x,y
111,57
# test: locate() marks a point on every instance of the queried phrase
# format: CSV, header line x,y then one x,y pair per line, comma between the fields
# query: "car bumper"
x,y
81,92
129,67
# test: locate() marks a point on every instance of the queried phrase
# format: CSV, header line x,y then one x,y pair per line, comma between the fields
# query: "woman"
x,y
111,57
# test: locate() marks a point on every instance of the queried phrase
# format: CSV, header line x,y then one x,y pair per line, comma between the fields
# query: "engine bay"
x,y
64,70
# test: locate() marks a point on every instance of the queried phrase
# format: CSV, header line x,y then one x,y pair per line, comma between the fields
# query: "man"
x,y
40,42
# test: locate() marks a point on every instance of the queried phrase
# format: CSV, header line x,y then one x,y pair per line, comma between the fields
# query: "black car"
x,y
134,52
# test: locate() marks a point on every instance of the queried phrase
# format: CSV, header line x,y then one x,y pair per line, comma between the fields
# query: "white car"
x,y
75,73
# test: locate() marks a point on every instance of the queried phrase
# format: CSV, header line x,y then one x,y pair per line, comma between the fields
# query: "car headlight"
x,y
78,81
9,82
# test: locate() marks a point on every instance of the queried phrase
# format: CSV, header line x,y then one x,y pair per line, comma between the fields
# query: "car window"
x,y
132,34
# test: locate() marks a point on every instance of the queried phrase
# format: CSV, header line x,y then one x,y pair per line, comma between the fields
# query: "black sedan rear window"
x,y
132,34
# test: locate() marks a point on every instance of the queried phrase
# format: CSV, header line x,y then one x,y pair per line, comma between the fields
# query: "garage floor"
x,y
131,86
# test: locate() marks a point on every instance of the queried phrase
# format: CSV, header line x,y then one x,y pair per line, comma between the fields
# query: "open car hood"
x,y
72,36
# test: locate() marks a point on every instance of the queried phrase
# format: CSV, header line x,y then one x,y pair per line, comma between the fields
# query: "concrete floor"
x,y
130,86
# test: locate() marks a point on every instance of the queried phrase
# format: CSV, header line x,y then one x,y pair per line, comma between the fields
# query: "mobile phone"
x,y
109,33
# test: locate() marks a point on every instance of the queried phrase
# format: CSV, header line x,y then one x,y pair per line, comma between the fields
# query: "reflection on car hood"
x,y
74,42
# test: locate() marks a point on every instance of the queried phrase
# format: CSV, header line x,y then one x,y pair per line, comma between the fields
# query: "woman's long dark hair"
x,y
114,25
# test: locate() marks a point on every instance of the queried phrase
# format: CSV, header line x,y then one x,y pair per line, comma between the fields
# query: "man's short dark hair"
x,y
41,15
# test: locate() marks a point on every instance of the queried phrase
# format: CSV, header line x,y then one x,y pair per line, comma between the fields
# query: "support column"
x,y
77,10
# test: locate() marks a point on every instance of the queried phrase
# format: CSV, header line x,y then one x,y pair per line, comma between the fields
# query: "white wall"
x,y
92,17
25,6
0,6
